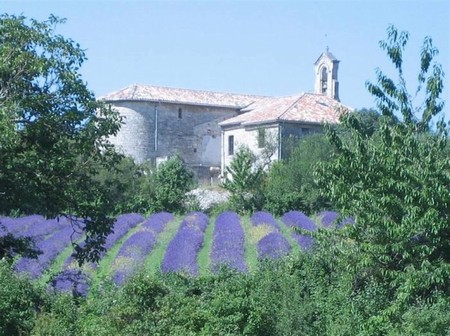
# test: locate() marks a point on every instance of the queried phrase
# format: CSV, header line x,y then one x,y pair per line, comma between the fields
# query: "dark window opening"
x,y
324,80
261,138
231,145
306,131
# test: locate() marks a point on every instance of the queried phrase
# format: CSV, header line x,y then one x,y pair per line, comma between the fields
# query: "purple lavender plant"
x,y
299,220
3,231
71,280
196,219
50,248
121,226
181,253
5,226
132,253
273,246
263,217
135,249
157,222
328,218
16,226
39,230
228,243
304,241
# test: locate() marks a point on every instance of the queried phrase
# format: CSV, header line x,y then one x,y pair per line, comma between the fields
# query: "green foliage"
x,y
142,188
385,275
131,186
60,318
55,132
395,182
245,183
290,183
20,302
173,180
307,294
11,246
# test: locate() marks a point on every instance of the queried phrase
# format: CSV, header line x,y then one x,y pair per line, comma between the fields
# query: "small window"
x,y
230,144
261,138
180,113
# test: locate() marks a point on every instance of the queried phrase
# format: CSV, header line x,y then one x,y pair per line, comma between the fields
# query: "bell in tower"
x,y
326,69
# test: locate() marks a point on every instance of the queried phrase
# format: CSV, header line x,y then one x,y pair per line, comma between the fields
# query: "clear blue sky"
x,y
253,47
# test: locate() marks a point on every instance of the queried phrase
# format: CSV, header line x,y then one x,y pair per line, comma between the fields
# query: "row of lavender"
x,y
131,254
227,247
53,236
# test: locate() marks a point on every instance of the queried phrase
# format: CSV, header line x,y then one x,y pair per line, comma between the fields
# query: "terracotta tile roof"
x,y
182,96
307,107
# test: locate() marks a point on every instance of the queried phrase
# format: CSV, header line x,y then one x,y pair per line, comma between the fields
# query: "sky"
x,y
250,47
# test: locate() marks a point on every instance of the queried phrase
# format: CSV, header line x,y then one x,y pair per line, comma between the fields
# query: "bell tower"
x,y
326,70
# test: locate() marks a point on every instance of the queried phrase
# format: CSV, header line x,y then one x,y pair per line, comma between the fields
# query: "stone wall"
x,y
155,130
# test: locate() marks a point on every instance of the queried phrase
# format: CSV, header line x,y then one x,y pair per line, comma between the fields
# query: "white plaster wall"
x,y
248,138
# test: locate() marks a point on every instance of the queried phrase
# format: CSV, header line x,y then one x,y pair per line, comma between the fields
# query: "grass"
x,y
105,268
152,264
58,263
203,257
287,232
251,239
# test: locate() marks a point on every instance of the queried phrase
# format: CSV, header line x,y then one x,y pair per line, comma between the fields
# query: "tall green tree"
x,y
396,185
244,180
53,131
172,181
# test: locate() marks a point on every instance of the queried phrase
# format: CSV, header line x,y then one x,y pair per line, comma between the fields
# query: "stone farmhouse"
x,y
207,128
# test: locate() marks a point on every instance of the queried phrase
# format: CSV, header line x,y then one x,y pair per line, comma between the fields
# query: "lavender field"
x,y
236,242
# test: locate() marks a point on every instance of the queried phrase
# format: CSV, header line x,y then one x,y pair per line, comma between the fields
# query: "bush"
x,y
20,302
290,184
245,182
173,180
131,186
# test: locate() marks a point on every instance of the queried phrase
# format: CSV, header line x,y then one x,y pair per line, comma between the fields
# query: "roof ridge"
x,y
295,102
200,91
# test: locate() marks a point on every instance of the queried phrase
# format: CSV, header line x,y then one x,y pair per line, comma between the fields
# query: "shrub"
x,y
173,181
20,302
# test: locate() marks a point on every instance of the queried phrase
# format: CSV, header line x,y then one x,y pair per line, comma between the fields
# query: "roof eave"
x,y
169,102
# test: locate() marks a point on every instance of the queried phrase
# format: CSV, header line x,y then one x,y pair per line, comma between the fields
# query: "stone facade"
x,y
154,131
200,126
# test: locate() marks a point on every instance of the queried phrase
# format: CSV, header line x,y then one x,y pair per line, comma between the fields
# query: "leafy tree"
x,y
173,180
131,186
290,183
368,119
395,183
245,181
54,132
11,246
